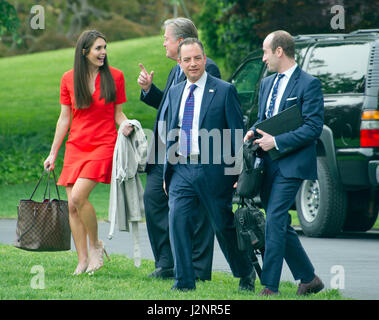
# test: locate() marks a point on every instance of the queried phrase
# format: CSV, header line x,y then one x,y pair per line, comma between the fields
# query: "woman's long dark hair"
x,y
83,96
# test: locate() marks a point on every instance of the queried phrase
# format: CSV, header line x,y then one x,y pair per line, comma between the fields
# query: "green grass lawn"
x,y
118,279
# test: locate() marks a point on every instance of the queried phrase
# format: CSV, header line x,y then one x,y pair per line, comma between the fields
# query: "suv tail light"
x,y
370,128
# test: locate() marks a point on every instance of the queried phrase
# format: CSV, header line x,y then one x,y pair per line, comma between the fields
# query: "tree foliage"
x,y
232,28
9,21
66,19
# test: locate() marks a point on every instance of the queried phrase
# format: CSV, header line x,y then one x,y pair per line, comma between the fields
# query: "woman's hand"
x,y
126,128
49,163
122,121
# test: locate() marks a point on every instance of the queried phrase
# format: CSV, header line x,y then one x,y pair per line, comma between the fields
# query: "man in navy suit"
x,y
289,85
204,124
155,199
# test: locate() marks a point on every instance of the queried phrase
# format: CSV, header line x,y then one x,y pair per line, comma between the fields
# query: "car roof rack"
x,y
336,36
320,36
364,31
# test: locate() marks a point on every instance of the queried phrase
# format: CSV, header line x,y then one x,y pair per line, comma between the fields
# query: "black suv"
x,y
346,194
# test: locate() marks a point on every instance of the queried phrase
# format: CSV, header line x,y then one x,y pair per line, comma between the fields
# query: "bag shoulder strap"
x,y
39,181
47,186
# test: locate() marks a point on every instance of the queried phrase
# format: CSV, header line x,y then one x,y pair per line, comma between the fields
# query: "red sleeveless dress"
x,y
93,133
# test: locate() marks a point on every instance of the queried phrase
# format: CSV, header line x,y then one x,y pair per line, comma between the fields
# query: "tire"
x,y
321,204
362,210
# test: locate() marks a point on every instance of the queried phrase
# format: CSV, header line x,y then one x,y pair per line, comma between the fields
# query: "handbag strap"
x,y
39,181
47,188
56,187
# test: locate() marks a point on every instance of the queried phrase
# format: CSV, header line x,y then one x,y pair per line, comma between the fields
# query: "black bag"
x,y
251,178
43,226
250,227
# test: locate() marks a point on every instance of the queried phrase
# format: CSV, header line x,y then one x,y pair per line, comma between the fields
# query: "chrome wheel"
x,y
321,204
310,199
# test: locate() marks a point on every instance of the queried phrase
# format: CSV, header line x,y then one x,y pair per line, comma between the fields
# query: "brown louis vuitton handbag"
x,y
43,226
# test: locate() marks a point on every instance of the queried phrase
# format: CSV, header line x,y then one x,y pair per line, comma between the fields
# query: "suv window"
x,y
246,80
341,68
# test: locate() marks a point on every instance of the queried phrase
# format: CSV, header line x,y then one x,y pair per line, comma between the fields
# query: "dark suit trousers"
x,y
157,212
187,191
282,242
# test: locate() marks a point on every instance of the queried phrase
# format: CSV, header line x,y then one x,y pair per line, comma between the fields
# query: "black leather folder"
x,y
287,120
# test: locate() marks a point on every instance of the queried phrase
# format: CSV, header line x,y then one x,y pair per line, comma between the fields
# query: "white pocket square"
x,y
290,99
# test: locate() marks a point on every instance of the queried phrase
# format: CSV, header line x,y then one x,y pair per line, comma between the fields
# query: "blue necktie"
x,y
185,131
273,96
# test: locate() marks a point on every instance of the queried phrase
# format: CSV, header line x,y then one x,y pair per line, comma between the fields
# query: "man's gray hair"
x,y
189,41
181,28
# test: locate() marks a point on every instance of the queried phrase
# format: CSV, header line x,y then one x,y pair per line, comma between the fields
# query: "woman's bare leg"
x,y
79,234
80,197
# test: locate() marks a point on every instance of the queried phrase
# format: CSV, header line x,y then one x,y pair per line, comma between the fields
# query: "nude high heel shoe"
x,y
97,258
80,269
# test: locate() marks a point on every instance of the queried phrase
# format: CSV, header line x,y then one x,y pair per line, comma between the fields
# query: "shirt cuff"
x,y
276,146
145,92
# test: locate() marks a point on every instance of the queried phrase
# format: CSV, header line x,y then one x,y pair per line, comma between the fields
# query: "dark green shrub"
x,y
119,28
22,157
50,41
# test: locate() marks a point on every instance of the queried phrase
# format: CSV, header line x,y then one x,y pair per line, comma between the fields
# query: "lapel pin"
x,y
211,90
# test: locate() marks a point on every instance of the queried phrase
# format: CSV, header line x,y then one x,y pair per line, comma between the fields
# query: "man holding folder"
x,y
297,160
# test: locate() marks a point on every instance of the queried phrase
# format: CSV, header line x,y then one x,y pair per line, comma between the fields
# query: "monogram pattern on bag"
x,y
43,226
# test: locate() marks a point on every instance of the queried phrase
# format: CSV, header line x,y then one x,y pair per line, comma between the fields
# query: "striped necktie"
x,y
273,97
185,131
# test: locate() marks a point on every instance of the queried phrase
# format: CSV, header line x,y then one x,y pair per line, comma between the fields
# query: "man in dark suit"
x,y
289,85
155,199
204,119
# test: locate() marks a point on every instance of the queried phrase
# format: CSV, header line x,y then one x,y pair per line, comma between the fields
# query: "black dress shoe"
x,y
314,286
248,282
162,273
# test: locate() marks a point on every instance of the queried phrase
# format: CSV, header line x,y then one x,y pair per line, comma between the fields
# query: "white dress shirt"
x,y
281,88
198,96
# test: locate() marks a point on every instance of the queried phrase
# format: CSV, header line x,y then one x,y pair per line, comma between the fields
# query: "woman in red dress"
x,y
92,94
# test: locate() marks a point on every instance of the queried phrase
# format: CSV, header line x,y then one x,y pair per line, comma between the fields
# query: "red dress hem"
x,y
96,170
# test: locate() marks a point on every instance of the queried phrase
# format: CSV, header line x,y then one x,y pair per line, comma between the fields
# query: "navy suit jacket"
x,y
155,98
302,162
220,109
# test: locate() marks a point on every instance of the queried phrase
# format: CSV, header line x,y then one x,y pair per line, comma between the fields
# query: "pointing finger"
x,y
143,68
